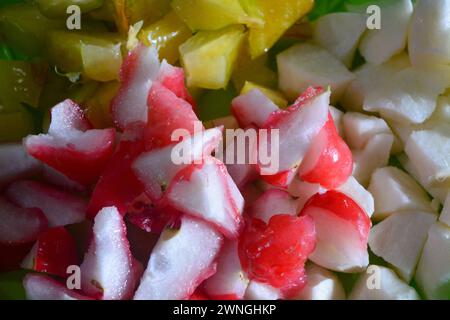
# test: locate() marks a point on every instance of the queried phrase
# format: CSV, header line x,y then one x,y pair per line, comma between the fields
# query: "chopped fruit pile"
x,y
225,150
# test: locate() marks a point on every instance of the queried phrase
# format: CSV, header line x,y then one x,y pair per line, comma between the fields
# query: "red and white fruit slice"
x,y
54,251
56,178
252,108
180,261
154,219
342,229
60,208
42,287
19,225
296,127
138,71
303,191
109,271
173,79
328,160
230,281
359,194
167,114
70,147
207,191
273,202
156,168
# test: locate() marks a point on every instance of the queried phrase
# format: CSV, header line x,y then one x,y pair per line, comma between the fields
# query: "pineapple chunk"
x,y
210,56
275,96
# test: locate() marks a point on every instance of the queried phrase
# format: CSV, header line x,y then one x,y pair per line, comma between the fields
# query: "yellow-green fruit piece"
x,y
254,70
210,56
278,17
58,8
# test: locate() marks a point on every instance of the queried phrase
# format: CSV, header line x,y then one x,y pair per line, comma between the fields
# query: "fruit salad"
x,y
224,150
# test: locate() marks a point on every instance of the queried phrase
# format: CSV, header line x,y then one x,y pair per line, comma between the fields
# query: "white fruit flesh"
x,y
338,116
42,287
180,261
399,239
15,163
433,271
273,202
261,291
359,128
253,108
445,214
304,190
357,193
395,190
307,65
340,33
391,287
379,45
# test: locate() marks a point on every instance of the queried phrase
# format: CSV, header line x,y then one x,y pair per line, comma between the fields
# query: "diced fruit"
x,y
19,225
70,147
54,251
56,178
230,280
210,56
173,79
254,70
271,203
166,35
154,219
304,190
42,287
58,8
208,192
210,14
15,164
337,116
109,247
399,239
342,229
98,105
340,33
278,17
306,65
275,253
180,261
328,161
374,155
275,96
432,274
156,168
429,33
445,214
379,45
297,127
321,285
261,291
361,196
391,287
429,150
139,69
408,96
252,108
60,208
395,190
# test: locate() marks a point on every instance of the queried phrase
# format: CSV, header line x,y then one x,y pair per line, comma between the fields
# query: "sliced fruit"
x,y
328,161
304,190
275,253
207,191
306,65
230,280
57,179
20,225
210,56
54,251
379,45
173,79
340,33
109,247
252,108
42,287
342,229
337,116
353,189
139,69
445,214
275,96
321,285
70,147
394,190
97,106
180,261
391,287
271,203
154,219
255,70
399,239
261,291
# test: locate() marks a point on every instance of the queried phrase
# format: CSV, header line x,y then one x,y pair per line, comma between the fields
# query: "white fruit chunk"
x,y
273,202
321,285
42,287
445,214
180,261
399,239
361,196
261,291
304,190
340,33
395,190
379,45
433,271
307,65
408,96
230,279
380,283
429,33
15,163
374,155
429,150
337,116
